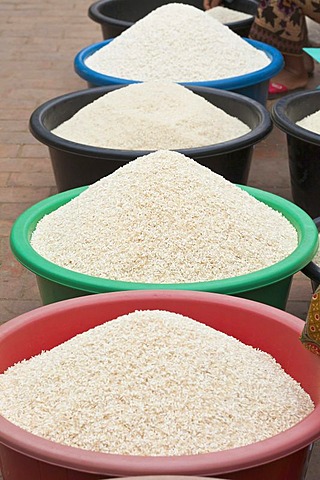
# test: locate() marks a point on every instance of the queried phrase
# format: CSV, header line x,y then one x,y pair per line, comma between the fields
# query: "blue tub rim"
x,y
230,83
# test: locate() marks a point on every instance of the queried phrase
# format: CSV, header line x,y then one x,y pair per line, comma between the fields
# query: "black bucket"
x,y
312,270
303,147
115,16
76,165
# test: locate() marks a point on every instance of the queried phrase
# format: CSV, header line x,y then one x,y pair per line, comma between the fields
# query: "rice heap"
x,y
151,116
152,383
180,43
227,15
163,218
311,122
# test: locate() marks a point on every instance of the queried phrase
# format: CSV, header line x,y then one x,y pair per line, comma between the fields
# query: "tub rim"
x,y
231,83
280,116
44,135
285,443
95,14
25,224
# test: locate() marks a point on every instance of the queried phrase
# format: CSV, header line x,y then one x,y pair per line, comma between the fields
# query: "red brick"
x,y
17,138
41,164
37,150
13,308
11,211
22,179
4,177
12,125
5,227
15,114
8,151
23,194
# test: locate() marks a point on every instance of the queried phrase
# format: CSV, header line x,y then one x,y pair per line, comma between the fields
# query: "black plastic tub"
x,y
312,270
76,165
115,16
303,147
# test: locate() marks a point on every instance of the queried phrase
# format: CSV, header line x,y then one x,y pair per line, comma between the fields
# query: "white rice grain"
x,y
179,43
227,15
311,122
164,218
152,383
151,116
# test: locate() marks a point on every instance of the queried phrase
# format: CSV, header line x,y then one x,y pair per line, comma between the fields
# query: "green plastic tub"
x,y
270,285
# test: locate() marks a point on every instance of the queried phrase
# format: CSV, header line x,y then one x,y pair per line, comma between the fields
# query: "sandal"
x,y
277,88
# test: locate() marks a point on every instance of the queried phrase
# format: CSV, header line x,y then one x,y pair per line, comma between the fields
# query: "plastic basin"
x,y
253,85
270,285
168,477
76,165
115,16
282,457
303,147
312,270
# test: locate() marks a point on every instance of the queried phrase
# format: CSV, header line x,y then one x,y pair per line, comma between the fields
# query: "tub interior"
x,y
54,116
64,109
130,12
254,326
298,108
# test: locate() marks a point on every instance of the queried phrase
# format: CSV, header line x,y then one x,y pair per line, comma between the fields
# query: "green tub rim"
x,y
25,224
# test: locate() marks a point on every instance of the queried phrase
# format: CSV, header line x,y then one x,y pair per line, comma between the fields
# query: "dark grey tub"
x,y
303,147
115,16
76,165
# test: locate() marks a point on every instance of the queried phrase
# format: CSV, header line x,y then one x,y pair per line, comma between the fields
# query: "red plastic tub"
x,y
282,457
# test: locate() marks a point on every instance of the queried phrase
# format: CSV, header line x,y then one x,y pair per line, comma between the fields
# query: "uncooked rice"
x,y
311,122
179,43
164,218
151,116
227,15
313,32
152,383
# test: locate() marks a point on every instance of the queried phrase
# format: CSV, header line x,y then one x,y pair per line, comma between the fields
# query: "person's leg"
x,y
308,63
310,8
281,23
294,74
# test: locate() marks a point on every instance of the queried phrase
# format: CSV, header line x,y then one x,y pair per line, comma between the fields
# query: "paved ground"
x,y
38,43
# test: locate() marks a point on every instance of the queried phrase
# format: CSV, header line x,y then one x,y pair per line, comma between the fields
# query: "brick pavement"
x,y
38,43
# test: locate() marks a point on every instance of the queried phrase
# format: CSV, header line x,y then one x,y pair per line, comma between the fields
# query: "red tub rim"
x,y
279,446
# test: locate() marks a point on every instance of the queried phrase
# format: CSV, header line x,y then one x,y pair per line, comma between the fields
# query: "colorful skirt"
x,y
282,24
310,336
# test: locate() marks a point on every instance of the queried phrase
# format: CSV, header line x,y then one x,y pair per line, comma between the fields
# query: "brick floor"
x,y
38,43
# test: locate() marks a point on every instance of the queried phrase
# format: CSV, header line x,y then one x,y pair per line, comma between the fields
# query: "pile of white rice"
x,y
163,218
152,383
151,116
226,15
180,43
311,122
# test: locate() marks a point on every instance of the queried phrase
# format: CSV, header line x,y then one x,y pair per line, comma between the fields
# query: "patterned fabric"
x,y
310,336
282,24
